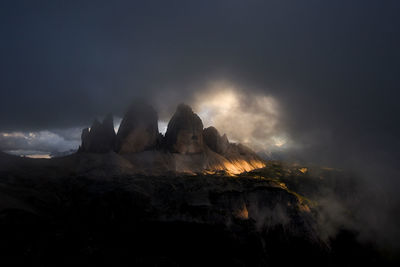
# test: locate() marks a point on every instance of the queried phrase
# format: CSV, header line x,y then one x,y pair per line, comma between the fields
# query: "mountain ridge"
x,y
187,146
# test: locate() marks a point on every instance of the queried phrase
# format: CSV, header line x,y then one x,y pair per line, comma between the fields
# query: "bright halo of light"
x,y
251,119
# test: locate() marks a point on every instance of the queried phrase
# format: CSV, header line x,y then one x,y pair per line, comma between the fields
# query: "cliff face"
x,y
185,132
217,143
100,138
138,130
186,147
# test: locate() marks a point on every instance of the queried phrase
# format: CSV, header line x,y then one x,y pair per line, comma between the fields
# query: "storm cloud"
x,y
332,68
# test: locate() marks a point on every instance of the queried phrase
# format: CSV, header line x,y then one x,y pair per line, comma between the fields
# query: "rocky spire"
x,y
185,132
100,138
138,130
215,141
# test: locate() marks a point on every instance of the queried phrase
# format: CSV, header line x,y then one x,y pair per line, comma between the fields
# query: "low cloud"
x,y
40,141
251,119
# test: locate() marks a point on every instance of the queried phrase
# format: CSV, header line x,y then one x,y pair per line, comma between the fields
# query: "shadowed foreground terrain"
x,y
53,215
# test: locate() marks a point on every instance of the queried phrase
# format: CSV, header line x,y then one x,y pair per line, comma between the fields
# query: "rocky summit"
x,y
100,138
138,130
186,147
185,132
215,141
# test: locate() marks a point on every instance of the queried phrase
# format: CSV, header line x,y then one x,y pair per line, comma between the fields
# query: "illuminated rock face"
x,y
138,130
100,138
185,132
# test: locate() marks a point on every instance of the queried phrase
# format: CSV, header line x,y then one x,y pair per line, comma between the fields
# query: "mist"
x,y
317,81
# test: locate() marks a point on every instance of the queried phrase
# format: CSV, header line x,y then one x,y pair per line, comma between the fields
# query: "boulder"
x,y
138,130
100,138
185,132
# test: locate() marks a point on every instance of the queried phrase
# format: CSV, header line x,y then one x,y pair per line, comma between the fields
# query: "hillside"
x,y
51,215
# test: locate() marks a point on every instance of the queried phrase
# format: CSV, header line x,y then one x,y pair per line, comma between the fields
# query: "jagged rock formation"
x,y
138,130
100,138
165,217
215,141
186,147
185,132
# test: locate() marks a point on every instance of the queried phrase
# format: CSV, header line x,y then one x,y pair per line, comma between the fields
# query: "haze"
x,y
318,80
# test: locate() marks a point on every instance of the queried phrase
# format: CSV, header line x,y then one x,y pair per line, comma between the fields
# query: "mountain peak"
x,y
138,130
100,138
186,147
185,132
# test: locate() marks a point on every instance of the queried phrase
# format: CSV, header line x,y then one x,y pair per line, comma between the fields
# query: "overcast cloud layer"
x,y
332,67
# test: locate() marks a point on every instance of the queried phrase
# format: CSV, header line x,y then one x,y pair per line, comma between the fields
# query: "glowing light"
x,y
303,170
279,141
117,123
253,120
162,126
15,135
242,213
39,156
234,167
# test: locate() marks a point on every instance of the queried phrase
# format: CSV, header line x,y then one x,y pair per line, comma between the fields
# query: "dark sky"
x,y
333,66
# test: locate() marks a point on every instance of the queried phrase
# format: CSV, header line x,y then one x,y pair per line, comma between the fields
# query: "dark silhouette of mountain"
x,y
138,130
186,147
100,138
185,132
63,153
217,143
